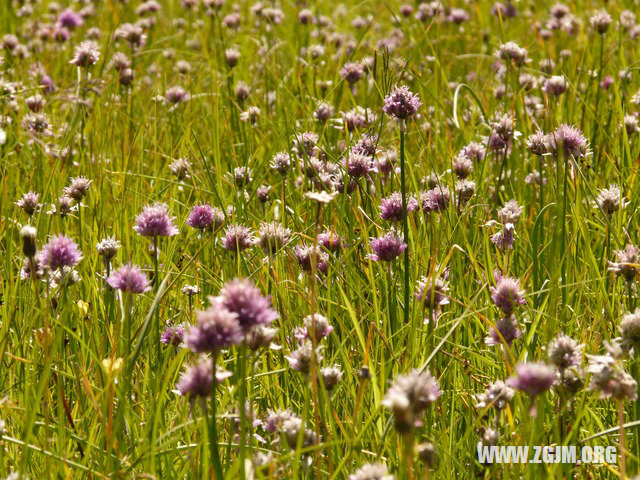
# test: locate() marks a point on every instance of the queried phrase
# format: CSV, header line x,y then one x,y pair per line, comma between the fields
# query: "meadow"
x,y
332,240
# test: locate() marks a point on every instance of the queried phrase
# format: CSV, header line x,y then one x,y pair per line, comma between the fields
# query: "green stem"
x,y
405,225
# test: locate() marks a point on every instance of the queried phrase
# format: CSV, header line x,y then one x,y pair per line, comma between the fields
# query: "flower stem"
x,y
213,430
405,225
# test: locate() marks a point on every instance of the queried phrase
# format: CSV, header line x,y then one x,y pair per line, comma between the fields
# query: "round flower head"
x,y
371,471
281,163
409,396
272,236
69,19
609,199
465,189
86,54
129,278
505,238
196,381
317,326
539,143
510,213
564,352
387,247
505,331
60,252
497,396
512,52
628,263
29,202
205,217
352,72
401,103
507,294
173,335
108,247
308,255
330,240
300,359
555,85
216,328
630,330
323,112
247,302
601,21
391,207
330,376
78,188
435,200
608,377
154,221
238,238
176,94
533,378
359,165
432,292
570,141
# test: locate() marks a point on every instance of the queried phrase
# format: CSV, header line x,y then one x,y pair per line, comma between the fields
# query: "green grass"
x,y
66,417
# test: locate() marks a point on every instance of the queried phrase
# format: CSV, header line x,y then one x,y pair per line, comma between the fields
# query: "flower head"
x,y
505,331
533,378
129,278
108,247
173,335
237,238
86,54
507,294
204,217
154,221
29,202
401,103
387,247
60,252
564,352
409,396
216,328
497,395
243,298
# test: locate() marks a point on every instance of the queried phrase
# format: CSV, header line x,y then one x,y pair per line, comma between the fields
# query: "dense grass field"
x,y
395,232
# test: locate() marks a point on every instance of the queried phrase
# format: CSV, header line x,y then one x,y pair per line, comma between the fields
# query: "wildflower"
x,y
232,55
564,352
391,207
608,377
78,188
176,95
28,236
352,72
29,202
272,236
323,112
154,221
180,168
281,163
371,471
401,103
533,378
86,54
60,252
498,395
69,19
216,328
435,200
609,199
359,165
64,205
628,263
555,85
630,329
507,294
512,52
316,327
539,143
259,336
570,141
387,247
107,248
247,302
173,335
505,238
301,358
237,238
505,331
129,278
196,381
409,396
462,166
330,241
600,21
465,189
205,217
293,429
432,292
306,254
330,376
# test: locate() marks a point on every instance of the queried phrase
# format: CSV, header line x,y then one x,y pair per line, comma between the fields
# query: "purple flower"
x,y
626,266
247,302
216,328
391,207
387,247
435,200
60,252
301,358
352,72
238,238
69,19
86,54
358,165
129,278
317,324
507,294
154,221
570,140
29,202
204,217
401,103
305,254
196,381
432,292
533,378
505,331
504,239
330,240
173,335
409,396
